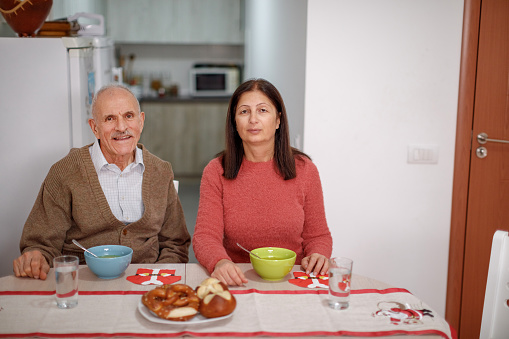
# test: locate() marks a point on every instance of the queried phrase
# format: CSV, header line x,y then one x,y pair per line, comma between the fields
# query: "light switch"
x,y
422,154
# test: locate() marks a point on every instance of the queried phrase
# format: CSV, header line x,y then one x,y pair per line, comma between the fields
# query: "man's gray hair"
x,y
110,86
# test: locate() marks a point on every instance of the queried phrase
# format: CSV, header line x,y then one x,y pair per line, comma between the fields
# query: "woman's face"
x,y
257,119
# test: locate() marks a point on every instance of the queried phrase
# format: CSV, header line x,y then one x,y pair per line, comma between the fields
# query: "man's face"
x,y
117,124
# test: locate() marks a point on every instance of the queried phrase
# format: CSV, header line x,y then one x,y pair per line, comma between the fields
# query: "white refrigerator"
x,y
46,90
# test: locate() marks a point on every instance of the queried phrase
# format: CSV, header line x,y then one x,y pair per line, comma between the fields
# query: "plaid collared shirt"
x,y
121,188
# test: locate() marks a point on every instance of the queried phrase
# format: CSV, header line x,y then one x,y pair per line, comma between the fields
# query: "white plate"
x,y
197,319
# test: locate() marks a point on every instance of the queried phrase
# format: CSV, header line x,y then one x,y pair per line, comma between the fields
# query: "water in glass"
x,y
340,277
66,275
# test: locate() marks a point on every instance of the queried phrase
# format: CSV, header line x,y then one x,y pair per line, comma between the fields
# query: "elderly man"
x,y
111,192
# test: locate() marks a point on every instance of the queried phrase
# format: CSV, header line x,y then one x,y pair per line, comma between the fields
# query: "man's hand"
x,y
229,273
31,264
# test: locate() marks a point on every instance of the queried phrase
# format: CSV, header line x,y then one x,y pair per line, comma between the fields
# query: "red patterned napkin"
x,y
310,280
147,276
399,313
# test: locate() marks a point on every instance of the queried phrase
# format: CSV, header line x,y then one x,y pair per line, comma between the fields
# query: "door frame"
x,y
462,158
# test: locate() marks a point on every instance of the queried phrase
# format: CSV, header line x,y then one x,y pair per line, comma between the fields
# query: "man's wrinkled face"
x,y
117,123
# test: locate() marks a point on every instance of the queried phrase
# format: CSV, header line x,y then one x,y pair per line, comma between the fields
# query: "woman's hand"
x,y
229,273
316,263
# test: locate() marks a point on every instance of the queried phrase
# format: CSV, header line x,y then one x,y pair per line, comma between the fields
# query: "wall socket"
x,y
422,154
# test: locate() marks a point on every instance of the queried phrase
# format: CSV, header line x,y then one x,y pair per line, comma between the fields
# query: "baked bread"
x,y
215,299
176,302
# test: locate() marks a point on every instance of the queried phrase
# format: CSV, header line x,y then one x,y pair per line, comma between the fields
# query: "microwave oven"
x,y
214,81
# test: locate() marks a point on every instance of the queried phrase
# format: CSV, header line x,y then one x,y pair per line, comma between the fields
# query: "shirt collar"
x,y
100,161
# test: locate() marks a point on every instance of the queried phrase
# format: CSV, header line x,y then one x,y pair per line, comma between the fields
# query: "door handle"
x,y
481,152
482,138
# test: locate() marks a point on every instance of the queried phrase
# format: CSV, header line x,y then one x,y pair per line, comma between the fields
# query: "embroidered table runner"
x,y
259,313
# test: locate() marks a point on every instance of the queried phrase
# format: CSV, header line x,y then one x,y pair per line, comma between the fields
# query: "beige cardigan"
x,y
71,205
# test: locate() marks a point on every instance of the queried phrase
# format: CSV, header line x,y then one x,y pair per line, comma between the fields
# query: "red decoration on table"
x,y
402,314
147,276
310,280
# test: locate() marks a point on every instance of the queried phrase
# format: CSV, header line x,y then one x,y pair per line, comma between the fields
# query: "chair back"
x,y
495,317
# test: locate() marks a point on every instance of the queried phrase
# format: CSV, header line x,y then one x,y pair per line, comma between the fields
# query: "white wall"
x,y
275,49
380,75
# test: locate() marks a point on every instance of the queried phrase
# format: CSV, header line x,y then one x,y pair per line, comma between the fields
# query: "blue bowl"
x,y
112,260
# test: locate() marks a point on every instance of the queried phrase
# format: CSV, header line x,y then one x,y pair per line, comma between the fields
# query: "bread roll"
x,y
216,299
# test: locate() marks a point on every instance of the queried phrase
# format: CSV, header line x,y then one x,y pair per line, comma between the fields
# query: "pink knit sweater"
x,y
259,209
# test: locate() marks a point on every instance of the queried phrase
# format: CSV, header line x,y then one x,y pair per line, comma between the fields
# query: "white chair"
x,y
495,317
176,184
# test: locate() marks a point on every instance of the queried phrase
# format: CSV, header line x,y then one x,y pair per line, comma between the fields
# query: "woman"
x,y
259,191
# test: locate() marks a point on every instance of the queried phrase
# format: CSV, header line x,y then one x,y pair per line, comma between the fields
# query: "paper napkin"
x,y
147,276
310,280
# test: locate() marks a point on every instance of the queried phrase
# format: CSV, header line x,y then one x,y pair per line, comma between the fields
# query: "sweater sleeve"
x,y
50,219
316,234
208,233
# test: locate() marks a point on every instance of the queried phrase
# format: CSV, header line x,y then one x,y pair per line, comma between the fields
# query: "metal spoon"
x,y
248,251
83,248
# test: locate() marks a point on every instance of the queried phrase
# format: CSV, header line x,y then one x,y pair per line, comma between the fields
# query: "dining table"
x,y
296,306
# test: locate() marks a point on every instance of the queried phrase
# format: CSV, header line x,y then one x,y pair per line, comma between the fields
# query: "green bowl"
x,y
275,262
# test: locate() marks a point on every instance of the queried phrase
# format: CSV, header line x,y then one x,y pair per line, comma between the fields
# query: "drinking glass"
x,y
66,277
340,277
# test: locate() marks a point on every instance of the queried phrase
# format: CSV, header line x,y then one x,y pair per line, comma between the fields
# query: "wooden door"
x,y
485,203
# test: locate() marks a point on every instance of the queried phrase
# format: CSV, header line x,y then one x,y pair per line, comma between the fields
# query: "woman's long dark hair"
x,y
284,154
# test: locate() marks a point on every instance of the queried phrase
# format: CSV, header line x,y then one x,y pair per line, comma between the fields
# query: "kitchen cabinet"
x,y
175,21
188,134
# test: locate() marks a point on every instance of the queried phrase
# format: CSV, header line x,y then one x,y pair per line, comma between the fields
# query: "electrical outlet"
x,y
422,154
